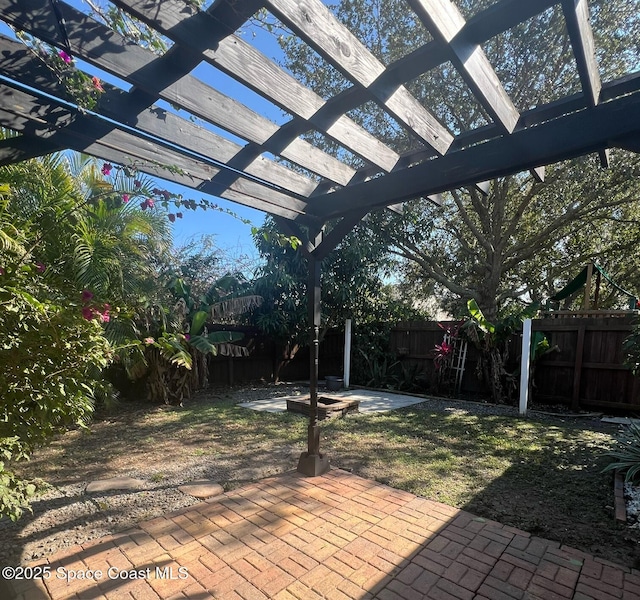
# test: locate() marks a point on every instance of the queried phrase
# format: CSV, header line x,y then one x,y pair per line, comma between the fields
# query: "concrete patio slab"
x,y
337,536
370,401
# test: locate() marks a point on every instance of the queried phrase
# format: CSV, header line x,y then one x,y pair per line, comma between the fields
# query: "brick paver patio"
x,y
338,537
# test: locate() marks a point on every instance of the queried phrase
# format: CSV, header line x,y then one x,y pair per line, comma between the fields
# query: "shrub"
x,y
627,454
51,361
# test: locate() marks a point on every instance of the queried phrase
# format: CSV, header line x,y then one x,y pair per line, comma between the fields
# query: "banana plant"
x,y
220,304
492,341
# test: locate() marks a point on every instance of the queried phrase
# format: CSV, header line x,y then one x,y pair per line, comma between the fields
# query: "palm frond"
x,y
173,351
119,332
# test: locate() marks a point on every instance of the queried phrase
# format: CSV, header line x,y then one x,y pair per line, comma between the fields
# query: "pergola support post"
x,y
312,463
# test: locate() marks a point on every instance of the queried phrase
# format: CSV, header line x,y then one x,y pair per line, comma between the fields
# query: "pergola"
x,y
261,172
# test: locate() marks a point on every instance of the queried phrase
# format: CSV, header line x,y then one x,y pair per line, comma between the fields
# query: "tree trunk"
x,y
287,355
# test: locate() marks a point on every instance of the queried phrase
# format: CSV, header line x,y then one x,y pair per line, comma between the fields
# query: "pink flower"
x,y
187,337
149,340
105,318
40,267
87,312
125,198
97,84
150,203
2,271
106,168
172,217
86,295
65,57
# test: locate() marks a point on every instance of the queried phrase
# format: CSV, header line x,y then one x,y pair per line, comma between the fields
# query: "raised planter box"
x,y
327,407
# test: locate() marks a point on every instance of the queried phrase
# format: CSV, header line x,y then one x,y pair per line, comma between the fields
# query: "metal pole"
x,y
347,353
524,366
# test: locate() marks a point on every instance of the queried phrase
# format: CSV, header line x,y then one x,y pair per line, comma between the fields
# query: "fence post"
x,y
347,353
524,365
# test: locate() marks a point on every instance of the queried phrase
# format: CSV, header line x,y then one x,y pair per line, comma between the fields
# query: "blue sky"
x,y
230,233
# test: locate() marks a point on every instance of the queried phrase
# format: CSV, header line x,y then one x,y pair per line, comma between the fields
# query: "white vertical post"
x,y
524,366
347,352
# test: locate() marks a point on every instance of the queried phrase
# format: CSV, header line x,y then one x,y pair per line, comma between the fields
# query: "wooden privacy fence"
x,y
586,371
263,357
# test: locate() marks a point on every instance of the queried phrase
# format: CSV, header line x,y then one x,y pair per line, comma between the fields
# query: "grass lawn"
x,y
543,476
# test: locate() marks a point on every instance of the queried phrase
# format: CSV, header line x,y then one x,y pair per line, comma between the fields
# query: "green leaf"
x,y
198,321
221,337
478,317
202,344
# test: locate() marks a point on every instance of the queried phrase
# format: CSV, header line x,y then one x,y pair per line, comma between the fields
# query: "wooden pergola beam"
x,y
16,149
105,49
17,62
565,137
250,67
576,13
314,23
43,118
445,22
611,90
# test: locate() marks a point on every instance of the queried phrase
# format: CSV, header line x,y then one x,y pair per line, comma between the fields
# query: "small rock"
x,y
202,488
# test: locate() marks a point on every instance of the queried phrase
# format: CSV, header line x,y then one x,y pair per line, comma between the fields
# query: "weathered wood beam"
x,y
44,118
630,143
105,49
18,63
446,24
17,149
503,15
565,137
497,18
611,90
339,231
576,13
247,65
315,24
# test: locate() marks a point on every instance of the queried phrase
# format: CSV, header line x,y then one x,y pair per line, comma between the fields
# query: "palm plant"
x,y
627,454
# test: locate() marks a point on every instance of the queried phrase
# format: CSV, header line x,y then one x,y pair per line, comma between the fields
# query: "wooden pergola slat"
x,y
314,23
105,49
445,22
244,63
158,122
565,137
43,118
576,14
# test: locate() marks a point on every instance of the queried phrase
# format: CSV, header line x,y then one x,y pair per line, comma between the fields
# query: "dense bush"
x,y
51,359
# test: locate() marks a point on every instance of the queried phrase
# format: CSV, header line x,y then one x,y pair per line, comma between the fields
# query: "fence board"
x,y
587,371
590,357
264,354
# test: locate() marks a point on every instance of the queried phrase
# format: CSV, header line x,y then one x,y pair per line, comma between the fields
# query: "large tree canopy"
x,y
524,237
